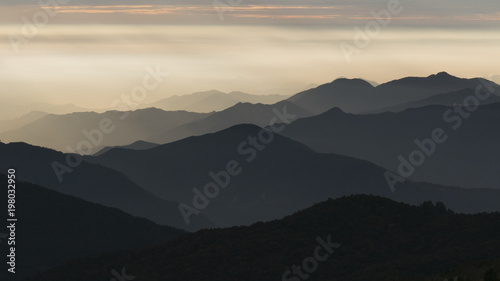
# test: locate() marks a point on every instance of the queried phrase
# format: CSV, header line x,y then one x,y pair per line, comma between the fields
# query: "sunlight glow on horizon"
x,y
89,65
90,54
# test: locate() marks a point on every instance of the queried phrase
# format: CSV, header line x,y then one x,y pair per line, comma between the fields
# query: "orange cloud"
x,y
244,13
288,16
123,9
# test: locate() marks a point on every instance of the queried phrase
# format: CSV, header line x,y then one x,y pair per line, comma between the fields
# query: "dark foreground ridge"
x,y
379,240
53,228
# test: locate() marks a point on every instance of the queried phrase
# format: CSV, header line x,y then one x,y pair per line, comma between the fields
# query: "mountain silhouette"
x,y
138,145
357,95
275,178
7,125
10,111
484,270
93,183
125,128
448,99
54,228
351,238
342,92
467,157
158,126
241,113
212,101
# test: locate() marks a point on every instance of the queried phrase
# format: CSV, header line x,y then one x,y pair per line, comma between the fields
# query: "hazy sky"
x,y
91,52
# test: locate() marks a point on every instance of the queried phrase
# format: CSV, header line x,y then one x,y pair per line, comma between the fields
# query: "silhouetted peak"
x,y
26,147
351,82
241,106
335,111
209,93
443,76
443,73
149,110
141,142
238,132
245,128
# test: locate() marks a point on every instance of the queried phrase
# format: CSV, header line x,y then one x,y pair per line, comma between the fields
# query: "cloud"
x,y
118,9
444,12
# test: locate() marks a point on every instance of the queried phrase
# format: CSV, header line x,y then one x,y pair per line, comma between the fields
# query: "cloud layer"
x,y
422,12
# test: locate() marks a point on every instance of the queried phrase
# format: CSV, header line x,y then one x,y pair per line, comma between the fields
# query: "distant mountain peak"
x,y
209,92
351,81
344,83
245,127
240,106
335,110
443,75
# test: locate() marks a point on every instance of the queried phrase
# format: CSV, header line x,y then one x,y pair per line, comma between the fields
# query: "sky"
x,y
91,52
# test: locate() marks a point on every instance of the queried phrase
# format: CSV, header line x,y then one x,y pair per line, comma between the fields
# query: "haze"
x,y
90,54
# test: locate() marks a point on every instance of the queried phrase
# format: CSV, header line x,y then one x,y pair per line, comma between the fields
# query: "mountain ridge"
x,y
361,237
381,138
360,99
69,174
53,228
275,177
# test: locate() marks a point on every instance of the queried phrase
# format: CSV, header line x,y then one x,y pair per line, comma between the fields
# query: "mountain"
x,y
55,108
92,131
465,154
349,94
417,88
448,99
70,175
212,101
7,125
9,111
245,174
352,238
357,95
138,145
477,271
241,113
53,228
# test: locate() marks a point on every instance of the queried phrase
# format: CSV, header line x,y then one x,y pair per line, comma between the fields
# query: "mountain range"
x,y
53,228
246,174
350,180
449,99
69,174
358,96
8,125
210,101
241,113
159,126
351,238
465,154
89,132
10,111
138,145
